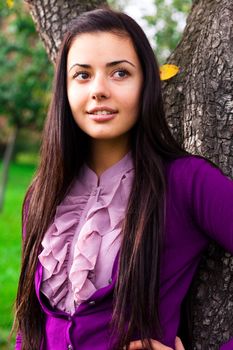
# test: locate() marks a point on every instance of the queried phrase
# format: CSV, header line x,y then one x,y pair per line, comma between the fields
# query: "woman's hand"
x,y
178,344
137,345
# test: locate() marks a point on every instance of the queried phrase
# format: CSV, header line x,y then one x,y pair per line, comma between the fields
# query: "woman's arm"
x,y
227,346
209,195
18,342
212,201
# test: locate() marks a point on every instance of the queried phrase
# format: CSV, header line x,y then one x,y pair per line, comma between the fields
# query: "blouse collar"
x,y
88,177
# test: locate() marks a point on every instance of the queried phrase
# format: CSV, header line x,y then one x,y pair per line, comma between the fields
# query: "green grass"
x,y
10,242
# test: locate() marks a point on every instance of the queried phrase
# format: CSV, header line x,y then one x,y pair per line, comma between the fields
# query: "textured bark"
x,y
199,101
199,106
52,16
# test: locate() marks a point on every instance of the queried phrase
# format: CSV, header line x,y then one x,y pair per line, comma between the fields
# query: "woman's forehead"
x,y
101,47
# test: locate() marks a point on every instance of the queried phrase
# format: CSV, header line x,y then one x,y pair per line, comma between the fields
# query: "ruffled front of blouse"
x,y
80,246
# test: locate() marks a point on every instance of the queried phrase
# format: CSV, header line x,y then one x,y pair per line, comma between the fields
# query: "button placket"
x,y
98,193
69,343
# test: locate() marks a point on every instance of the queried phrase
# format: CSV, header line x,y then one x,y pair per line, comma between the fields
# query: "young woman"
x,y
118,215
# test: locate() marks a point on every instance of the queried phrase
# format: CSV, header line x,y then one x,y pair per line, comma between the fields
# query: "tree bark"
x,y
52,16
199,107
199,101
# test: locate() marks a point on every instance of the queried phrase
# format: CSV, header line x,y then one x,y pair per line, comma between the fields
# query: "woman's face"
x,y
104,82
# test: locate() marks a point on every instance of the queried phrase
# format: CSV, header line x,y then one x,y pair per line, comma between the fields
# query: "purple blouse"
x,y
199,207
80,246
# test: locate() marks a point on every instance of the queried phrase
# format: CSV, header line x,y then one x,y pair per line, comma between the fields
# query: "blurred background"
x,y
25,89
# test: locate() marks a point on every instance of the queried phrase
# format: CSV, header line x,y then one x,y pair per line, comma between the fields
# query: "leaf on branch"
x,y
168,71
10,3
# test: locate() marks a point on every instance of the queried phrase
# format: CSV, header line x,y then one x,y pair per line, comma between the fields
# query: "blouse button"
x,y
94,192
70,347
92,302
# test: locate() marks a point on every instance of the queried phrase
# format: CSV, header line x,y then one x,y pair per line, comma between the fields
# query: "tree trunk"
x,y
6,164
52,16
199,107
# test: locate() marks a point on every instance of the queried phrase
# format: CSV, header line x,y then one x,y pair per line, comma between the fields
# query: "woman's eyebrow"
x,y
80,65
110,64
114,63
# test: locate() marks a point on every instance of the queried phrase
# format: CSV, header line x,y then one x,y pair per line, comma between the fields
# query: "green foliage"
x,y
10,243
25,71
4,9
168,22
118,4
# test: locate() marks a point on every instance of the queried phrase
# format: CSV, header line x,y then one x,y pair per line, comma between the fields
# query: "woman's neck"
x,y
105,153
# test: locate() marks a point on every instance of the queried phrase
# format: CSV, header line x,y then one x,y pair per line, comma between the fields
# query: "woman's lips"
x,y
102,113
102,117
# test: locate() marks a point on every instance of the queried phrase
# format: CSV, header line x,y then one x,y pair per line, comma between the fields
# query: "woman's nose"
x,y
100,88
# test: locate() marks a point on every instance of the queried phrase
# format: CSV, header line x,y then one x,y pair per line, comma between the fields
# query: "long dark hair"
x,y
137,289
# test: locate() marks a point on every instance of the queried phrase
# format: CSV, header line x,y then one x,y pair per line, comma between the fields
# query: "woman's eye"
x,y
121,73
81,75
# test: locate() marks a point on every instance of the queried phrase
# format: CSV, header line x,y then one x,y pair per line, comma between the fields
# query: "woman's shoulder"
x,y
190,166
194,174
195,178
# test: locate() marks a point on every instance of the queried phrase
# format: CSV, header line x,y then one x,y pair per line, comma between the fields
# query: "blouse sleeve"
x,y
212,201
213,208
18,342
227,346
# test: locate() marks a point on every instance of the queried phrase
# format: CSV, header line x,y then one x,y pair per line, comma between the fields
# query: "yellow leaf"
x,y
168,71
10,3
